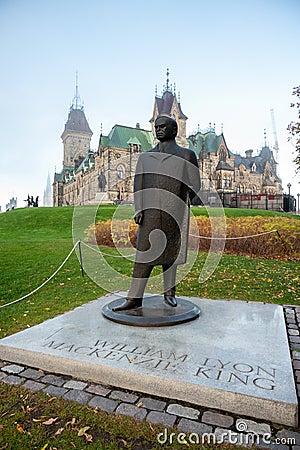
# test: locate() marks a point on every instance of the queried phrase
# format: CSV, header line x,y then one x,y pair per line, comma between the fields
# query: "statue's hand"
x,y
138,218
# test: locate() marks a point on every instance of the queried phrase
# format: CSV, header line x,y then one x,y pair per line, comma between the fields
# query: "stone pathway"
x,y
189,419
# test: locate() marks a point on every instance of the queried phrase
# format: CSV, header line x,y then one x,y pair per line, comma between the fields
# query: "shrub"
x,y
116,233
282,243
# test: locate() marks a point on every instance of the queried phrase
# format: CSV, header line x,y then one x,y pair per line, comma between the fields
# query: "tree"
x,y
294,129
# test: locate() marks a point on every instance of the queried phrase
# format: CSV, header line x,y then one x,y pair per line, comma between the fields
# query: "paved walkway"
x,y
187,418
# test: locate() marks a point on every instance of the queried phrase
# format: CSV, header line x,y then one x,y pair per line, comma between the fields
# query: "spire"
x,y
265,137
47,199
77,103
167,83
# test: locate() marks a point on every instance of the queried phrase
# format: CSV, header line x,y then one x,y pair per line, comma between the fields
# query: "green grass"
x,y
56,223
241,212
33,243
22,426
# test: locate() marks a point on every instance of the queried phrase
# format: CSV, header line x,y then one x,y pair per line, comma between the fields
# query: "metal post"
x,y
298,209
289,194
80,258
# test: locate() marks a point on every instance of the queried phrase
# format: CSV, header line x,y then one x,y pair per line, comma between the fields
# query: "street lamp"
x,y
298,195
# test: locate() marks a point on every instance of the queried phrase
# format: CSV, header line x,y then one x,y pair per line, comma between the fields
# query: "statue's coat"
x,y
164,185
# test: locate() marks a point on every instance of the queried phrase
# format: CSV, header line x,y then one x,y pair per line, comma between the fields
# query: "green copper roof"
x,y
120,136
58,177
206,142
134,140
104,141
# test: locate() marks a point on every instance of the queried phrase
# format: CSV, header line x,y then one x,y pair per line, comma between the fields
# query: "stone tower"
x,y
168,105
77,134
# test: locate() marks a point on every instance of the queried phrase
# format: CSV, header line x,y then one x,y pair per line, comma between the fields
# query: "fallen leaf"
x,y
50,421
88,437
82,431
20,428
45,446
139,404
59,431
71,422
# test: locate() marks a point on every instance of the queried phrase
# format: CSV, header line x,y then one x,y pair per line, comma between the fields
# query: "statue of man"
x,y
101,181
166,179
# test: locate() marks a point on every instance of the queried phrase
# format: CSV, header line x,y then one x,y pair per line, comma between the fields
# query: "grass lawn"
x,y
38,421
33,243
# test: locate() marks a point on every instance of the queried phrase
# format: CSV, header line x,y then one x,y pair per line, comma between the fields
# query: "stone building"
x,y
106,175
243,181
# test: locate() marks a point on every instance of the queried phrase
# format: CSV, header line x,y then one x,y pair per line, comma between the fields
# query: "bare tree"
x,y
294,129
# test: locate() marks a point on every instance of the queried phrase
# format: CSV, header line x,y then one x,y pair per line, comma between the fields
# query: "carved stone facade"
x,y
236,177
106,175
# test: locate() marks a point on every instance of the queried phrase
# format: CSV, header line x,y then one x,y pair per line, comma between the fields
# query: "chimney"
x,y
249,153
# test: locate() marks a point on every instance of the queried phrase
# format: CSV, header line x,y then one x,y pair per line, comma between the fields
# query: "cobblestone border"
x,y
186,417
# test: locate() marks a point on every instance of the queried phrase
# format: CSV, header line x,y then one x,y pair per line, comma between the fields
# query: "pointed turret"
x,y
168,105
77,134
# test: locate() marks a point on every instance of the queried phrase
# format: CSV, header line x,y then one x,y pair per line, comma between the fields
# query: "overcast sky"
x,y
231,60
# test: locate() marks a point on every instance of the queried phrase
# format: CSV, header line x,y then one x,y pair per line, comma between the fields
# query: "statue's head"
x,y
165,128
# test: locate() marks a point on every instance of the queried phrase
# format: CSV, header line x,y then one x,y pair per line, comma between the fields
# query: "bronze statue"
x,y
166,179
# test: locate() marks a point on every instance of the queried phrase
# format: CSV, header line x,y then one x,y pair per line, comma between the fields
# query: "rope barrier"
x,y
78,243
106,254
236,237
45,282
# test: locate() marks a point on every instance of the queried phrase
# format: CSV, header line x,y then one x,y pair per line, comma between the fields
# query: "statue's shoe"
x,y
130,303
170,299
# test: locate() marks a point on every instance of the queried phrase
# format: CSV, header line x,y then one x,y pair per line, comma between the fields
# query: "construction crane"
x,y
276,147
